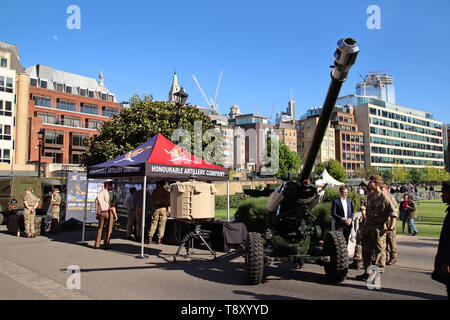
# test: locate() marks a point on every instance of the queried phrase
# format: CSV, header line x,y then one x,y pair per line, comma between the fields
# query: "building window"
x,y
43,84
47,118
93,124
82,92
57,156
108,112
68,89
33,82
42,101
91,94
76,158
8,108
104,96
70,121
66,105
6,156
89,108
79,140
59,87
54,137
4,62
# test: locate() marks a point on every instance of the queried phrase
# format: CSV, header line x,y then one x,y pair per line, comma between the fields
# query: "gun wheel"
x,y
335,246
254,258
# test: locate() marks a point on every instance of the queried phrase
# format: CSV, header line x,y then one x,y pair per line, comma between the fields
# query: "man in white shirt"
x,y
105,208
342,212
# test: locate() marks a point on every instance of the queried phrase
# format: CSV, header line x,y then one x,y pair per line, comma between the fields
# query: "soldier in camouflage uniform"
x,y
30,202
391,235
378,211
55,203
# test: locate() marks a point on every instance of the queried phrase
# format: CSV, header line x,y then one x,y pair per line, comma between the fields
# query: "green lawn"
x,y
222,214
431,215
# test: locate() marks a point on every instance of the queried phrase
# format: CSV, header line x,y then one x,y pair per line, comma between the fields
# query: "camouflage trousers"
x,y
391,244
358,247
374,246
159,217
29,217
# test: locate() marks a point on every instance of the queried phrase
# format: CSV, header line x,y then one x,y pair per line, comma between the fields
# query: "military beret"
x,y
376,177
445,186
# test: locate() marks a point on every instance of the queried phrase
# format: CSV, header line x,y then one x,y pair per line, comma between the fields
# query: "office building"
x,y
10,72
307,126
287,133
446,134
69,108
395,135
290,114
349,142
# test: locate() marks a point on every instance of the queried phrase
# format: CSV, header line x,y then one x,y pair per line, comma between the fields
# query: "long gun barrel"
x,y
344,58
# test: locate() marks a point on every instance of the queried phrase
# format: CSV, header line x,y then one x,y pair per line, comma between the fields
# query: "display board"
x,y
76,196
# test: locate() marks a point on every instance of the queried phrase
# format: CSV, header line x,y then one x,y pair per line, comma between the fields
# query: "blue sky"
x,y
265,48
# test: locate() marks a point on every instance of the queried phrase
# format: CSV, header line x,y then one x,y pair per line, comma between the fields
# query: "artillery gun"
x,y
292,234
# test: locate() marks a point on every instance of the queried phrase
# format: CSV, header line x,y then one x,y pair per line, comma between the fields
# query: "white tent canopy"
x,y
328,179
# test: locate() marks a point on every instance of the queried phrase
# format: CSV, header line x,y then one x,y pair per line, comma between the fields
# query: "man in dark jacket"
x,y
441,271
342,212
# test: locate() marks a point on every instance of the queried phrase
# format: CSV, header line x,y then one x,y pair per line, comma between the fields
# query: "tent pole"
x,y
228,200
85,209
144,191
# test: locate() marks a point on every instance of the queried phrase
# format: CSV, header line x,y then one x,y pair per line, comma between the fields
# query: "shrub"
x,y
235,200
253,213
333,193
323,215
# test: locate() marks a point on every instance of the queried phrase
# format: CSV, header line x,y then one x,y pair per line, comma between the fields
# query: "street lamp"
x,y
180,100
40,134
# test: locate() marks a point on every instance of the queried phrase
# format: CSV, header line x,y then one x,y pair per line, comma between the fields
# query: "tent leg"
x,y
85,213
144,191
228,200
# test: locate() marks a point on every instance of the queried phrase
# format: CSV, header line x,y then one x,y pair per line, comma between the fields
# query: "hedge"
x,y
235,200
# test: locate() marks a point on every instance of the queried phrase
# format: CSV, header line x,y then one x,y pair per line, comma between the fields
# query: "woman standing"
x,y
403,211
411,214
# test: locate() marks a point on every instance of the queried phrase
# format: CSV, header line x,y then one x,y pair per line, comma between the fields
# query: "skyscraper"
x,y
379,86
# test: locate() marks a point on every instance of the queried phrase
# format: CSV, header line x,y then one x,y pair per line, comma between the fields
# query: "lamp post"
x,y
181,98
40,134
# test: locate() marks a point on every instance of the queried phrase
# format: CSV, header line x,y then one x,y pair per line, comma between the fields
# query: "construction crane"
x,y
271,114
212,103
256,107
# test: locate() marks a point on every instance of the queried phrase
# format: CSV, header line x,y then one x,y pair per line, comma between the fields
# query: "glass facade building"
x,y
396,135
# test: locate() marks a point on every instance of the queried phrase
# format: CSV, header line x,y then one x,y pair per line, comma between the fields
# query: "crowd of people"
x,y
376,238
157,209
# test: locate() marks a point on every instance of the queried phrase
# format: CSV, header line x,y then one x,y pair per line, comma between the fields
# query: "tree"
x,y
366,173
288,161
400,175
135,125
416,176
334,168
388,176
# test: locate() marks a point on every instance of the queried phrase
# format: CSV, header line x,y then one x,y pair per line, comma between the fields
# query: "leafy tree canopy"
x,y
334,168
136,125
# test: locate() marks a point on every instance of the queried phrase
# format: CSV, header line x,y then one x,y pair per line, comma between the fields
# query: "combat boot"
x,y
363,276
148,240
159,241
354,265
391,261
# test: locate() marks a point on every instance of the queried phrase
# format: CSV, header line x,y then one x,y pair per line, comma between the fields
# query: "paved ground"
x,y
35,269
